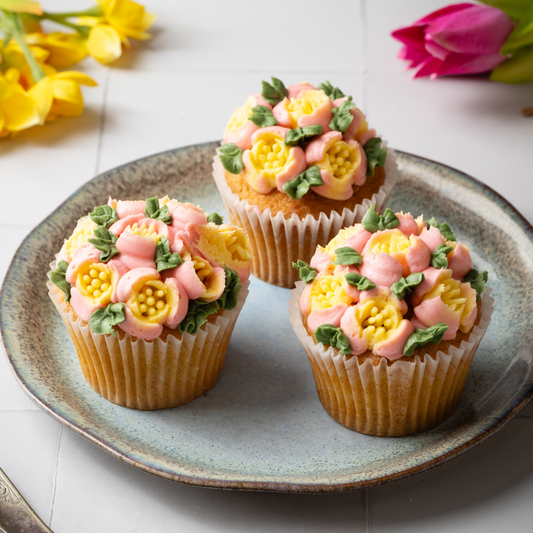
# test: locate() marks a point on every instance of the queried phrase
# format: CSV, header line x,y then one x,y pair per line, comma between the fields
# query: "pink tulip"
x,y
458,39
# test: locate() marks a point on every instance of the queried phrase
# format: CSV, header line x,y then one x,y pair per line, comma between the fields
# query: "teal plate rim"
x,y
497,414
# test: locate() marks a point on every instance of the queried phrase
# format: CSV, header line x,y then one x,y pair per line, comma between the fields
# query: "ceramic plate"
x,y
262,426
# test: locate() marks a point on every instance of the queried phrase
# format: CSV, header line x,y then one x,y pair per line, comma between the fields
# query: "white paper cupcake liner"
x,y
150,374
389,401
277,242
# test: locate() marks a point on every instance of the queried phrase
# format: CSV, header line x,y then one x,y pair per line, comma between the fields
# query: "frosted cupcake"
x,y
150,292
297,164
390,314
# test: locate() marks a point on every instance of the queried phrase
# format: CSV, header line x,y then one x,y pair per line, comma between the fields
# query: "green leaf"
x,y
329,334
342,117
102,320
152,210
262,117
332,92
517,69
444,229
307,273
274,93
375,155
104,215
360,282
347,256
57,277
215,218
300,135
231,158
373,222
300,185
514,8
421,337
522,35
405,286
105,242
196,316
438,257
228,299
477,281
163,258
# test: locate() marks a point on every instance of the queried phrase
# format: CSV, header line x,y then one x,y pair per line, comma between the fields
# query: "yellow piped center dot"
x,y
204,271
145,230
83,231
269,154
236,243
342,159
377,318
95,281
150,302
341,238
327,291
449,291
306,103
390,242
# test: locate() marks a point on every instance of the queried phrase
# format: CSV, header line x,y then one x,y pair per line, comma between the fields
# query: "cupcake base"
x,y
276,242
169,371
395,400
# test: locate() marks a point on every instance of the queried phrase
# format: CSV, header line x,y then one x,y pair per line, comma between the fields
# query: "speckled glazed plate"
x,y
262,426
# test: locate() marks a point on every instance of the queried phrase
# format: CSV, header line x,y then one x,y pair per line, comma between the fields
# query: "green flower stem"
x,y
92,12
62,19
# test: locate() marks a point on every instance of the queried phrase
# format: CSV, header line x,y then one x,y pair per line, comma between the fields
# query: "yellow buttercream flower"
x,y
327,291
121,19
64,49
17,109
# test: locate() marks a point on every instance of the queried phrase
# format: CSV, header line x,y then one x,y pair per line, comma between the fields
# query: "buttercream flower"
x,y
458,39
376,323
17,109
83,231
270,163
63,49
441,298
240,129
120,20
151,303
311,107
342,164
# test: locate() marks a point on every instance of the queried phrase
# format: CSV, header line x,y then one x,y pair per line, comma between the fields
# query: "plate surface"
x,y
262,426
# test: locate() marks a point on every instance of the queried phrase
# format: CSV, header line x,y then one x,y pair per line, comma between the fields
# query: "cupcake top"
x,y
390,285
141,265
299,138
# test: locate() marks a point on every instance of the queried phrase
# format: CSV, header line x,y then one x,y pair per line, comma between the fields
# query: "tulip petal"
x,y
104,43
412,37
430,67
442,12
469,63
517,69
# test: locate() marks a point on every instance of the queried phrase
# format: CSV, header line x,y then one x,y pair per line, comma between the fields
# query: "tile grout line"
x,y
102,121
56,477
363,52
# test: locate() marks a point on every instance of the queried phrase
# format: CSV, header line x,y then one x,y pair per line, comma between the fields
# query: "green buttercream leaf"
x,y
300,185
262,117
163,258
342,117
215,218
360,282
375,155
347,256
105,242
405,286
307,273
102,320
477,281
332,92
104,215
57,277
301,135
421,337
228,299
444,229
274,93
438,257
373,222
196,316
152,210
231,158
329,334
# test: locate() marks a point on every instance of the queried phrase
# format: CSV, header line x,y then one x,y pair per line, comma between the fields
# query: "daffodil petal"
x,y
89,21
64,108
42,95
19,110
104,43
2,122
77,77
66,90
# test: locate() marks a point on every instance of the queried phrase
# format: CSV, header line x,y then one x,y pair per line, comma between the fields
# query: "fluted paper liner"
x,y
150,374
277,242
389,401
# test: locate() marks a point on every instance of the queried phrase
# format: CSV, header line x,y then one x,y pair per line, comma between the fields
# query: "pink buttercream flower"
x,y
458,39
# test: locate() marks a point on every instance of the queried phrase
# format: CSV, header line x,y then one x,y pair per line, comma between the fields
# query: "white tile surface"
x,y
488,489
129,500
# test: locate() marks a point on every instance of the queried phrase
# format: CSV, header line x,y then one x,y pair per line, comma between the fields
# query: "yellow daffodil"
x,y
13,56
120,20
64,49
17,108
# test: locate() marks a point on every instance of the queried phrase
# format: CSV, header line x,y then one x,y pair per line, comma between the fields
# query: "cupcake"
x,y
297,164
390,314
150,292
